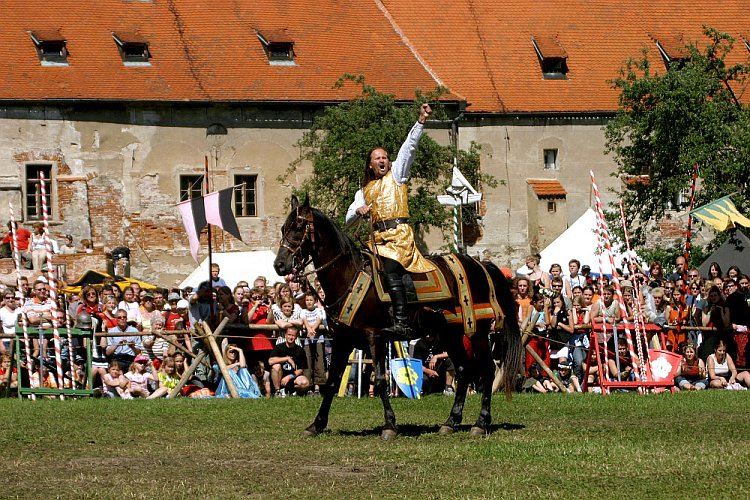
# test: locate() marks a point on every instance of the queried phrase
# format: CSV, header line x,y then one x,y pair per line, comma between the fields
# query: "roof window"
x,y
552,57
746,41
672,49
279,48
51,48
133,50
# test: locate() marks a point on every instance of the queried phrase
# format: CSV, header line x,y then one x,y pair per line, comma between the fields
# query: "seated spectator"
x,y
123,348
68,247
262,378
38,247
437,367
287,363
625,371
148,311
140,378
246,387
168,374
155,346
691,375
8,375
87,246
537,381
115,384
569,381
9,314
722,373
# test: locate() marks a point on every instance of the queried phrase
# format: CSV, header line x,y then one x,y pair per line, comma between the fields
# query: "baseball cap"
x,y
141,359
183,304
173,296
586,267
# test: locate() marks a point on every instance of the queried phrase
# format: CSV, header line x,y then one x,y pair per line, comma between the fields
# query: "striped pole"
x,y
455,227
24,319
600,252
52,287
638,317
615,278
68,326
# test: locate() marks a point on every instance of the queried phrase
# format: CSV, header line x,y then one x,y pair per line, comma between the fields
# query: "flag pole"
x,y
212,317
690,221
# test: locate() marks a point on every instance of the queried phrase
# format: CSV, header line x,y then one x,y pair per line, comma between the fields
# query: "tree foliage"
x,y
340,138
669,121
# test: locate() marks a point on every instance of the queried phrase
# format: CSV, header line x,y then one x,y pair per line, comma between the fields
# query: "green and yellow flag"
x,y
720,214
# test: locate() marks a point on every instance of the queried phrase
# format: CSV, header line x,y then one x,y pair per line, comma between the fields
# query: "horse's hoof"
x,y
446,429
478,432
308,433
388,434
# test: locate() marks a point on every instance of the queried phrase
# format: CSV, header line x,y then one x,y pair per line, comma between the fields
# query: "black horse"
x,y
308,234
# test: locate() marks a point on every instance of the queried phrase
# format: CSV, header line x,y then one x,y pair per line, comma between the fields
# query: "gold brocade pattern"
x,y
389,200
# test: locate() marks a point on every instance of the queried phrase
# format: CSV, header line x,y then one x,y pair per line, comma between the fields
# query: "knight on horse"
x,y
384,196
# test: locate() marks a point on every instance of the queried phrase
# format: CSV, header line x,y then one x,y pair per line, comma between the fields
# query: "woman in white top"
x,y
9,316
37,247
721,370
132,307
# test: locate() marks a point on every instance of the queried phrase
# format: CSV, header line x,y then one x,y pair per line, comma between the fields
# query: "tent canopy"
x,y
580,242
91,277
733,252
235,267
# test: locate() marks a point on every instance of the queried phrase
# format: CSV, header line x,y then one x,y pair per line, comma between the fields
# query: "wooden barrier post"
x,y
211,340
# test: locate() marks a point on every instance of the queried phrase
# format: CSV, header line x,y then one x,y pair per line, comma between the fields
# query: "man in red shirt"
x,y
22,237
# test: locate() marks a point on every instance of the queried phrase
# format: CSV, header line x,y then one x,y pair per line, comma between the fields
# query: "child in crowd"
x,y
565,374
7,381
312,317
168,377
115,383
140,378
536,381
262,378
286,316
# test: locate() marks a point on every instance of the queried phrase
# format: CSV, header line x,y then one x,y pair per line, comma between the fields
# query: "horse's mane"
x,y
327,225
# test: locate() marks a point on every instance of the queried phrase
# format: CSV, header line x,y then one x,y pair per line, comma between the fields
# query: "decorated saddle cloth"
x,y
470,297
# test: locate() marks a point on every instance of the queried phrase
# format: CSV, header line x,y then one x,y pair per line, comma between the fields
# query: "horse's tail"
x,y
511,333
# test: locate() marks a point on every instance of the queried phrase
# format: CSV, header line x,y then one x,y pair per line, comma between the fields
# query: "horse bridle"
x,y
287,243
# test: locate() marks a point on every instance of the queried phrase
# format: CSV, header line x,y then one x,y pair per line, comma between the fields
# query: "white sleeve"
x,y
359,200
401,168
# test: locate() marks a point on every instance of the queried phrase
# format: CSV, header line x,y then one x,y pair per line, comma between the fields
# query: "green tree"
x,y
340,138
669,121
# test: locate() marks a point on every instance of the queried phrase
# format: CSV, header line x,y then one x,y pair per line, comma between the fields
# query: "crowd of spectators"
x,y
276,342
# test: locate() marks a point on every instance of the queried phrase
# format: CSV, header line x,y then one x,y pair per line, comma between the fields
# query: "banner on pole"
x,y
214,208
720,214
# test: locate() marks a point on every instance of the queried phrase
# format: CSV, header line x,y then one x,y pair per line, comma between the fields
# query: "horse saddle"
x,y
420,287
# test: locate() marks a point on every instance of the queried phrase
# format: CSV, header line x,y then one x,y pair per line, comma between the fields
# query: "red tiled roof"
x,y
481,48
547,188
549,46
206,51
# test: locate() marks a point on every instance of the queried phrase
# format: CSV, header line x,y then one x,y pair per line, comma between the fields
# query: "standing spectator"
x,y
539,279
201,305
68,247
260,282
89,302
714,271
573,279
523,299
132,308
288,315
557,287
579,342
588,280
536,326
123,348
606,310
656,274
226,306
680,269
739,312
216,280
314,345
561,328
22,238
160,300
287,364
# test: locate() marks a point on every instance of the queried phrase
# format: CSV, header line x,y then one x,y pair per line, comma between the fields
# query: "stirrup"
x,y
400,330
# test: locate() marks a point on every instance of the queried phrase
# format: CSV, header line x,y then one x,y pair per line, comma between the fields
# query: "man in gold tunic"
x,y
384,197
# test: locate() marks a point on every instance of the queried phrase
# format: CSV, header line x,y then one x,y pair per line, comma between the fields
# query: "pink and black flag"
x,y
219,211
214,208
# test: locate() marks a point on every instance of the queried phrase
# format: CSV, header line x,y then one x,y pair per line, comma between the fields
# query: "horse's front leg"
x,y
457,353
487,367
339,360
378,347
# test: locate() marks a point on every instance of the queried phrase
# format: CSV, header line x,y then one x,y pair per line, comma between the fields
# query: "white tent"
x,y
236,266
580,242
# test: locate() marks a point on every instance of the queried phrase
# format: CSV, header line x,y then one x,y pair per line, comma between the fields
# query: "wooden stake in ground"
x,y
537,358
211,340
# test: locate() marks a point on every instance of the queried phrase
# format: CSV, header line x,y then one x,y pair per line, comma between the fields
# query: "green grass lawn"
x,y
688,445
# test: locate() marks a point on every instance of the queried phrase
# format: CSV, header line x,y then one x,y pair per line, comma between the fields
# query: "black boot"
x,y
397,291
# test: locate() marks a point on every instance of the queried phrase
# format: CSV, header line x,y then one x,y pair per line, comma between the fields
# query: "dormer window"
x,y
279,48
133,50
552,57
672,49
51,48
746,41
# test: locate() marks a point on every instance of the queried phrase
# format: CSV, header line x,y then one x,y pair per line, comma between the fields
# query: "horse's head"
x,y
297,239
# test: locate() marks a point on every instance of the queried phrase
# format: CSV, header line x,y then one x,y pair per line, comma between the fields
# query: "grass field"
x,y
689,445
